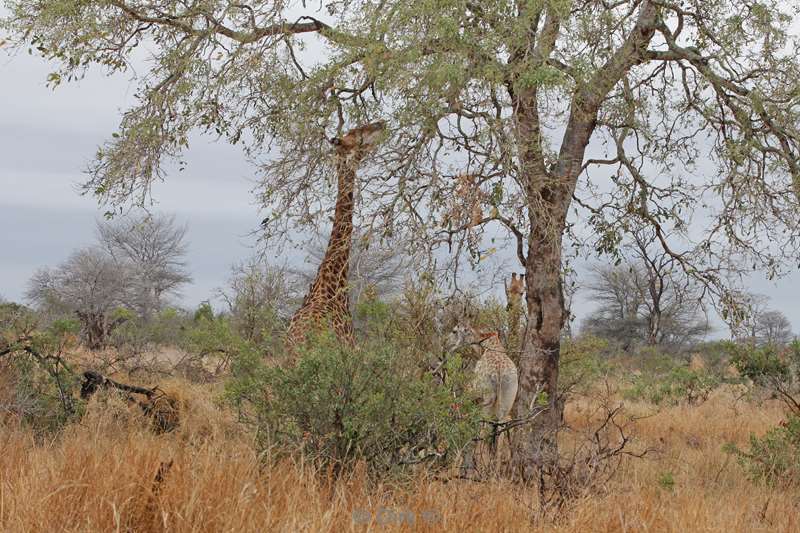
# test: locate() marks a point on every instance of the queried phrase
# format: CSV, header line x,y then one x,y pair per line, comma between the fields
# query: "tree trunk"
x,y
94,329
654,326
549,190
535,444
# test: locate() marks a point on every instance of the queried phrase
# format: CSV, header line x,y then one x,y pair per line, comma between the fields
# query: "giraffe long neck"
x,y
492,343
333,271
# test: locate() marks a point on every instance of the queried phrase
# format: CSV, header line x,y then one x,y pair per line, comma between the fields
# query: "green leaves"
x,y
773,459
341,406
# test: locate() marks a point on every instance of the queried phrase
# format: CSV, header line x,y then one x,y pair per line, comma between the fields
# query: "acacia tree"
x,y
90,284
689,105
755,323
637,306
648,298
774,328
155,246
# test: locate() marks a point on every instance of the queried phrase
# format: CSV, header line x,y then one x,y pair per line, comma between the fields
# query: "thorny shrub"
x,y
41,385
339,406
774,458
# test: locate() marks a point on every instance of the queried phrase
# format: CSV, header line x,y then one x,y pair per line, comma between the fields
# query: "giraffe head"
x,y
464,334
517,286
357,142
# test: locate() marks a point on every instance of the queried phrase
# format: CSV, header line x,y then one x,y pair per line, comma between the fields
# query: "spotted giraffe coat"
x,y
495,378
326,303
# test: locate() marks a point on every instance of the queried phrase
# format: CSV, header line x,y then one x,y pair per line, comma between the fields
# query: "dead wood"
x,y
161,408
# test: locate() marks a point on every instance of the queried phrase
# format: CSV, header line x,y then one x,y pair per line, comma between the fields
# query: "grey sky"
x,y
46,139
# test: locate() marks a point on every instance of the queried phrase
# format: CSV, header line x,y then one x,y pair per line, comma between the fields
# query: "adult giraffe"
x,y
326,303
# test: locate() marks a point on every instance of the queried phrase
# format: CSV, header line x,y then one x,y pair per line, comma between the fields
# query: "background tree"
x,y
91,285
617,316
752,321
627,311
155,248
773,328
650,300
260,299
692,106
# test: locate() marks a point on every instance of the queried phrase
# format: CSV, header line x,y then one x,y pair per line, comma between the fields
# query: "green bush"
x,y
136,334
204,312
43,386
582,363
339,406
716,356
763,364
774,458
772,368
666,381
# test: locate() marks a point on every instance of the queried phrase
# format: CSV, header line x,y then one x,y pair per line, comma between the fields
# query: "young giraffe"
x,y
495,379
326,303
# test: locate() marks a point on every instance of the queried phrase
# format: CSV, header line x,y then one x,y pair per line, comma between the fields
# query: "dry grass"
x,y
101,476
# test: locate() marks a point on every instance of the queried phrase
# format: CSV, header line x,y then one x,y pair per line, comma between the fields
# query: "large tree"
x,y
546,113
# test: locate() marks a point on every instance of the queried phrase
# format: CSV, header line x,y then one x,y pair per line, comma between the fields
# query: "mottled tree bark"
x,y
549,191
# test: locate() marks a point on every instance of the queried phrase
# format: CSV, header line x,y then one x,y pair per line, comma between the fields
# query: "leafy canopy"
x,y
689,106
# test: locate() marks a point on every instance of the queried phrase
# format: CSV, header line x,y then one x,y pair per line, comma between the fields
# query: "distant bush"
x,y
583,361
212,342
774,458
715,357
664,380
137,334
340,406
773,368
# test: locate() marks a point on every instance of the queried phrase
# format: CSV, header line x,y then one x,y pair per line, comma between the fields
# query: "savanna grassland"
x,y
108,472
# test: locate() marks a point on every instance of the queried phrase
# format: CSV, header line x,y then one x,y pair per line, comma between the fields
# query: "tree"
x,y
616,292
752,321
259,297
90,284
155,248
635,309
649,300
774,328
492,107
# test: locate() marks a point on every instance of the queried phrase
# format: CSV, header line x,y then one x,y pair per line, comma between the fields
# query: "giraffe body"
x,y
326,305
495,380
495,376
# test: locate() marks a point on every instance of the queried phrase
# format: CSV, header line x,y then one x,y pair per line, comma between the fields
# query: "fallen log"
x,y
93,380
161,408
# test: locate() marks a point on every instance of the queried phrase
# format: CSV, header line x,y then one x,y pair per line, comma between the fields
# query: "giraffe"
x,y
495,378
514,291
326,303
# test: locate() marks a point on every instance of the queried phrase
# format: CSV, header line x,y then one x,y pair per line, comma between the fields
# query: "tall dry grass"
x,y
101,475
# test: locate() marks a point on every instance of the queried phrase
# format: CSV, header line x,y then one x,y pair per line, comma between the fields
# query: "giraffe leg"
x,y
468,469
506,395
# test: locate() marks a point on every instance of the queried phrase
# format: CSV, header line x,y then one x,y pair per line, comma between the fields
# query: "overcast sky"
x,y
46,139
